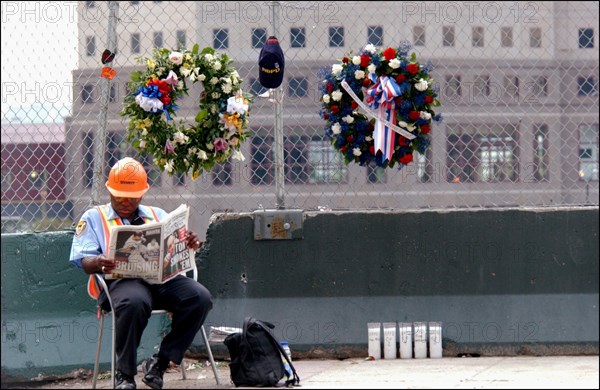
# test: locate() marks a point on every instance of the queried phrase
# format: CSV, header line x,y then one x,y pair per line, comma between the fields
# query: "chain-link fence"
x,y
517,82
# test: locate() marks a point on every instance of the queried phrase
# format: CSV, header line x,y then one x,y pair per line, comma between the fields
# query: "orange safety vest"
x,y
92,287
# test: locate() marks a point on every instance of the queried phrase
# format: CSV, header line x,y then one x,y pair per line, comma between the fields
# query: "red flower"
x,y
407,158
389,54
353,105
345,60
402,141
400,78
329,87
334,109
428,99
425,129
365,60
414,115
163,88
412,68
372,149
350,139
343,149
398,100
366,82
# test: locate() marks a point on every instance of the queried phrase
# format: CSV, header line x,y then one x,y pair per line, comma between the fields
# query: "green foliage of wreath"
x,y
220,125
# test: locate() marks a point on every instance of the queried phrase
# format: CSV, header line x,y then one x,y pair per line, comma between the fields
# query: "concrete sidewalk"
x,y
525,372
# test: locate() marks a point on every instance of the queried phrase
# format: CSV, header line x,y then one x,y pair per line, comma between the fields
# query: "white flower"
x,y
356,60
144,132
406,126
356,152
149,104
180,138
237,104
169,166
421,85
237,155
215,95
226,88
209,57
336,69
337,95
368,138
197,71
371,68
210,146
394,63
217,65
425,115
202,155
371,48
142,144
336,128
185,72
326,99
359,74
176,57
214,81
348,119
201,77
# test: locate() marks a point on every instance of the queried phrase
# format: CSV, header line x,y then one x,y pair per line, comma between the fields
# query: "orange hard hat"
x,y
127,179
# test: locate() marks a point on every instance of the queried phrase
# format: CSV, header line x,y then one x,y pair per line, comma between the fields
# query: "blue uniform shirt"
x,y
89,237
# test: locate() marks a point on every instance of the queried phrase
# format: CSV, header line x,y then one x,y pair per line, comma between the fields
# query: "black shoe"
x,y
124,381
153,373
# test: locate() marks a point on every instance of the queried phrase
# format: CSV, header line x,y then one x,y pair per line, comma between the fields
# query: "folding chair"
x,y
96,280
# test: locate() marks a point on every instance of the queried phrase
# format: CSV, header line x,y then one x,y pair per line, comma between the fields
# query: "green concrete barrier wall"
x,y
506,281
49,323
500,281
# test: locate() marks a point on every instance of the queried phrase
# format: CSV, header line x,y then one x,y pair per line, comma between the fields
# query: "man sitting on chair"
x,y
134,299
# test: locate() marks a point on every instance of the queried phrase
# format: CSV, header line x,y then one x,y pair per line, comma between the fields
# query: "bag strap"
x,y
295,380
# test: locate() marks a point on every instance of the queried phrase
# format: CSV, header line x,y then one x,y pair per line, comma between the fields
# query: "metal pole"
x,y
100,138
278,125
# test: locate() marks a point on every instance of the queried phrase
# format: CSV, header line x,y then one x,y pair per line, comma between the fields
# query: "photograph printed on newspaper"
x,y
156,251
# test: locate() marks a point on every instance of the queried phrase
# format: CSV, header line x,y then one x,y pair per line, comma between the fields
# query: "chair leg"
x,y
97,362
182,366
113,351
210,355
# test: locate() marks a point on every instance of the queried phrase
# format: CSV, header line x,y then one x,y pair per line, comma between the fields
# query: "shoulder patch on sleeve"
x,y
80,228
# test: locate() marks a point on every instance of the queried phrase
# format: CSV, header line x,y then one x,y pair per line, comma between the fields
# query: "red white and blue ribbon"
x,y
381,96
381,100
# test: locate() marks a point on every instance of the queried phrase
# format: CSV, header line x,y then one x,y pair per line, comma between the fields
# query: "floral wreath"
x,y
395,96
220,124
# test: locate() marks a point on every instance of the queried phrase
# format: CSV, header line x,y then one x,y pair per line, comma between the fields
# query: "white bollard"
x,y
374,339
406,340
389,340
435,340
420,334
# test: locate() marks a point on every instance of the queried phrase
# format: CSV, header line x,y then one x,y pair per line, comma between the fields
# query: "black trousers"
x,y
133,302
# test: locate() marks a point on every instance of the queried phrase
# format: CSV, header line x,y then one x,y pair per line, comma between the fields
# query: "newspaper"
x,y
155,251
218,334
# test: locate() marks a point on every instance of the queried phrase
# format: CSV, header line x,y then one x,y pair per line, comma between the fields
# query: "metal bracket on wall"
x,y
278,224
